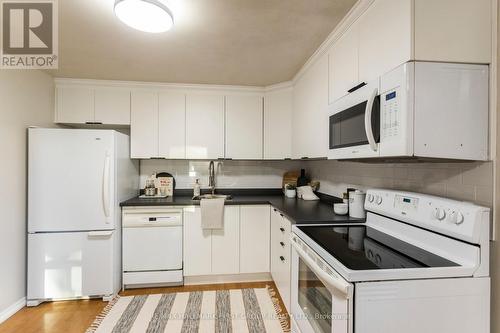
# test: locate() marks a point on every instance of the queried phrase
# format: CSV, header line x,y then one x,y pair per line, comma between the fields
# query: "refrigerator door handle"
x,y
105,186
100,234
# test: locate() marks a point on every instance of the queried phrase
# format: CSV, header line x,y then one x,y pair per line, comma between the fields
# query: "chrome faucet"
x,y
211,176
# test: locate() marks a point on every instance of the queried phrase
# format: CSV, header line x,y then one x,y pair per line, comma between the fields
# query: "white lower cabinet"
x,y
255,235
197,244
242,246
281,255
225,243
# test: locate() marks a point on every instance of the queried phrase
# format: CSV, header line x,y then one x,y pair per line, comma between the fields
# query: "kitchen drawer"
x,y
282,273
281,254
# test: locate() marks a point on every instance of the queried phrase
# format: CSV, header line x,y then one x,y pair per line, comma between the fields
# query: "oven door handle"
x,y
368,120
339,284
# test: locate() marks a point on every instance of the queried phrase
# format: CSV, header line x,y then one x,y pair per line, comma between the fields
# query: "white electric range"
x,y
419,264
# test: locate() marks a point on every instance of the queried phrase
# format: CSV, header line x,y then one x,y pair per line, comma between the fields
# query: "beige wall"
x,y
495,248
26,99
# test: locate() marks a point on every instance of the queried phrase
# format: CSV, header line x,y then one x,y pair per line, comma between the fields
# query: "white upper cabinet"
x,y
112,106
391,32
310,116
385,42
343,64
453,30
172,125
244,127
144,124
75,105
79,104
204,126
278,124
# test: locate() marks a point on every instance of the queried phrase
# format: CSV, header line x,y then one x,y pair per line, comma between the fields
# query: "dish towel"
x,y
212,213
306,193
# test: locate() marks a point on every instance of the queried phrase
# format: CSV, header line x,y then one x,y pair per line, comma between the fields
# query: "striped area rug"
x,y
221,311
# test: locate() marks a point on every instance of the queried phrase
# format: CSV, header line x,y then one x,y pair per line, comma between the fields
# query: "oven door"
x,y
354,124
321,300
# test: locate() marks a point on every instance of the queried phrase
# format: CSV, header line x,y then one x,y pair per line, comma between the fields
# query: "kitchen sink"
x,y
213,196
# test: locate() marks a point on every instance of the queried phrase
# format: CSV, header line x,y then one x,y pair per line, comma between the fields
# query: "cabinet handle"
x,y
282,229
282,259
93,123
275,209
353,89
157,158
304,158
282,244
282,215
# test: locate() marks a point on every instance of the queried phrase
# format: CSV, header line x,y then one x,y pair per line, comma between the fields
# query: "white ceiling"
x,y
241,42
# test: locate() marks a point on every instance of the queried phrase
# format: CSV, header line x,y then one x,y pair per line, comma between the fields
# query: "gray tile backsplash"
x,y
230,174
470,181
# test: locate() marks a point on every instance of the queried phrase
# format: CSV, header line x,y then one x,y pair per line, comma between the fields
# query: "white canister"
x,y
357,204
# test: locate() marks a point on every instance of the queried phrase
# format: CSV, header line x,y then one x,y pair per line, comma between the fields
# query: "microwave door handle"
x,y
338,283
368,120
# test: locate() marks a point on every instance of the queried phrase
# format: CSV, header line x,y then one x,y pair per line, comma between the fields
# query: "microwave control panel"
x,y
391,113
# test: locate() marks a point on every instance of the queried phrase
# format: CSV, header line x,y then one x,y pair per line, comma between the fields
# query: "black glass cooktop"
x,y
363,248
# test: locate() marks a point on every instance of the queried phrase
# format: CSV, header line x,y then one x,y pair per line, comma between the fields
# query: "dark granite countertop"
x,y
297,210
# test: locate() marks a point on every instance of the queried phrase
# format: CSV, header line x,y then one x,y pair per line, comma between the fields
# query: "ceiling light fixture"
x,y
145,15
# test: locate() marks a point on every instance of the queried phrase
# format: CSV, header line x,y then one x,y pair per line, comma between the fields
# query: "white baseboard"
x,y
232,278
7,313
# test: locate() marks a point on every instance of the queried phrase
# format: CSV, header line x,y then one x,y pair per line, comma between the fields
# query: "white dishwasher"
x,y
152,246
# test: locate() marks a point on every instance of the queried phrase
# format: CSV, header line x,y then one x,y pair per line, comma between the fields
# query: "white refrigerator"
x,y
76,180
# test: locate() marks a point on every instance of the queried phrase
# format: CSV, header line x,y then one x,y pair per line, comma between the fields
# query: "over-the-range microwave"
x,y
422,109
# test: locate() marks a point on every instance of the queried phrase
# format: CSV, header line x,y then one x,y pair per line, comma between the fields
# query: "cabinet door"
x,y
112,106
453,30
172,125
384,44
310,116
226,243
343,64
144,124
244,127
278,124
197,244
255,233
204,126
75,105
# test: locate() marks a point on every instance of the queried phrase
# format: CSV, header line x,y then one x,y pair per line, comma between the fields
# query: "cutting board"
x,y
290,177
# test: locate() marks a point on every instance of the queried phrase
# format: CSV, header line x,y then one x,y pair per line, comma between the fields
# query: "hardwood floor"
x,y
76,316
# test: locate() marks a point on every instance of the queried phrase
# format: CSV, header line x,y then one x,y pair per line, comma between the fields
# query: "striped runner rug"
x,y
221,311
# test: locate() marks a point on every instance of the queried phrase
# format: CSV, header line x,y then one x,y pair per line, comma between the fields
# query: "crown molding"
x,y
157,85
356,11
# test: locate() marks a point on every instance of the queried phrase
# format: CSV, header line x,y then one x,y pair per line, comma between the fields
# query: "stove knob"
x,y
379,200
370,197
452,217
439,214
460,218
